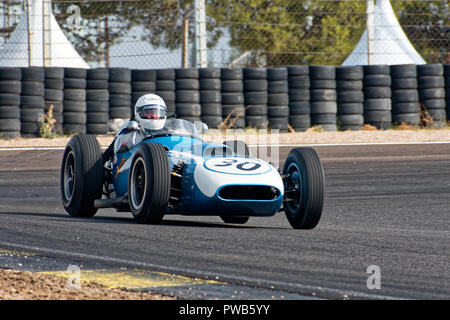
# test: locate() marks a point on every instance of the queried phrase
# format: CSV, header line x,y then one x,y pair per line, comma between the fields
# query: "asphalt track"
x,y
386,205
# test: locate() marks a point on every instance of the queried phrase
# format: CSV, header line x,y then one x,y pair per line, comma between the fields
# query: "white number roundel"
x,y
237,165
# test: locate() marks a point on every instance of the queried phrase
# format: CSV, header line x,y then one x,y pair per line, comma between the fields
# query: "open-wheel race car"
x,y
176,172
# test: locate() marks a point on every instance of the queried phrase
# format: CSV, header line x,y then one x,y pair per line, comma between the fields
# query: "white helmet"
x,y
150,112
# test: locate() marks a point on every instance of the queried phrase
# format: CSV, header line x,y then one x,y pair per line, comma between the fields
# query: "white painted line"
x,y
265,145
199,273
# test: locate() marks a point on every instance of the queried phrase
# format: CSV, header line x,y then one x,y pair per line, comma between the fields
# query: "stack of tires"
x,y
299,98
187,96
74,103
32,101
430,80
377,96
278,99
323,97
350,97
10,88
405,98
119,97
165,88
54,94
97,101
233,109
142,82
447,88
211,96
255,97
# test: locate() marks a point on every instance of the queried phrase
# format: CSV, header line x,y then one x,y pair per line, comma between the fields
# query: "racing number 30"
x,y
244,166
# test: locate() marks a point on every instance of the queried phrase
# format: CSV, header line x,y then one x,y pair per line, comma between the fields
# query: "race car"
x,y
176,172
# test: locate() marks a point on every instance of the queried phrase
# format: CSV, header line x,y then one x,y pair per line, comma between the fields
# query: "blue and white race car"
x,y
176,172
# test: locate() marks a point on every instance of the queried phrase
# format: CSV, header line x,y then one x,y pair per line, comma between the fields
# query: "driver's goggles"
x,y
154,112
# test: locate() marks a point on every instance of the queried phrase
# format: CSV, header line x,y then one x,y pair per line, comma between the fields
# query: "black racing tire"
x,y
165,85
404,83
210,96
233,98
32,101
98,74
256,110
323,107
165,74
119,75
97,95
119,88
424,70
349,85
280,124
149,183
210,84
9,112
376,69
238,147
252,85
297,71
10,87
96,84
33,74
304,175
74,83
401,71
186,73
231,86
377,92
9,99
53,95
299,82
209,73
350,108
119,100
234,220
349,73
213,122
256,97
279,86
74,106
188,109
10,74
10,124
277,74
187,96
187,84
431,82
254,73
299,108
143,86
57,84
323,95
322,72
377,80
148,75
435,93
75,94
212,110
278,111
350,97
77,73
278,99
231,74
81,176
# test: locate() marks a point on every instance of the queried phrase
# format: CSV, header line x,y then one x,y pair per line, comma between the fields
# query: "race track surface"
x,y
386,205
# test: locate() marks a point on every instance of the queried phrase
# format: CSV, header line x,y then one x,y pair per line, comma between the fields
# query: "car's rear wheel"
x,y
149,183
236,220
81,175
304,188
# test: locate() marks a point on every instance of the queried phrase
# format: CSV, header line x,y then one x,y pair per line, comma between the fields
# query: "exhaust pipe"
x,y
111,203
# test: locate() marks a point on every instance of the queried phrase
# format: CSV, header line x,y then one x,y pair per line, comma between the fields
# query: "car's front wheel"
x,y
81,175
149,183
304,184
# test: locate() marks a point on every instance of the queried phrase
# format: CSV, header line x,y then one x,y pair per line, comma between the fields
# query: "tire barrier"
x,y
430,81
10,88
54,95
210,96
119,86
97,101
278,98
405,98
299,97
74,103
233,108
165,88
350,97
32,101
447,89
142,82
255,97
323,97
187,95
377,96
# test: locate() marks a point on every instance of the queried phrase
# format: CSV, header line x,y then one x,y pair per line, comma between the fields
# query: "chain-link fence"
x,y
163,33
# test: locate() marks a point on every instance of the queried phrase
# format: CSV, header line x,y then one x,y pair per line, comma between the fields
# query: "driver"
x,y
150,112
